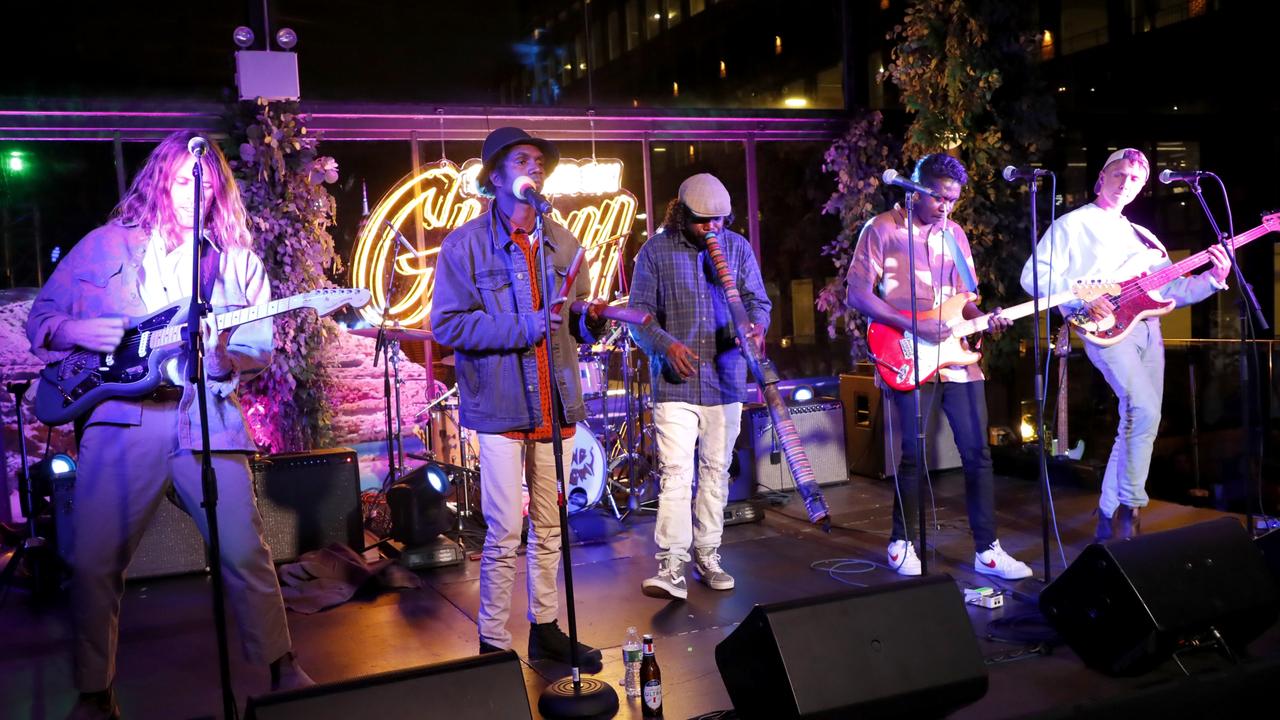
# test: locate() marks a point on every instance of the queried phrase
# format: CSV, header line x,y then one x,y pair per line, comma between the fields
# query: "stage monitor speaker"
x,y
905,649
308,501
483,687
1126,607
874,453
171,544
759,460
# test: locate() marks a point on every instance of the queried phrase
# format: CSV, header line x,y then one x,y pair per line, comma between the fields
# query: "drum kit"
x,y
611,464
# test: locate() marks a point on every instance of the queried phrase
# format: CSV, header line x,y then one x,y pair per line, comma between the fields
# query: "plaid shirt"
x,y
674,280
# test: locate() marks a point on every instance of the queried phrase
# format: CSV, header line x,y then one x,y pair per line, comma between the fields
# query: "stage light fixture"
x,y
417,505
286,38
243,36
802,393
42,474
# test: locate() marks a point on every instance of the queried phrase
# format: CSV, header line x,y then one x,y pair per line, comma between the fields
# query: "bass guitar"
x,y
891,348
75,384
1139,297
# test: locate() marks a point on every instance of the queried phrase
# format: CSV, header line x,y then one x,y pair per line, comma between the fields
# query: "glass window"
x,y
696,6
631,14
652,18
615,34
1084,25
673,12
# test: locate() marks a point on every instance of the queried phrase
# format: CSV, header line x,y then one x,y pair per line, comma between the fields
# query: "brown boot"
x,y
1130,522
1104,531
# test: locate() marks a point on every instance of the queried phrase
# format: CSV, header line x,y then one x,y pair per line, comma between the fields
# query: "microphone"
x,y
197,146
1013,173
523,189
364,198
1168,176
404,242
891,177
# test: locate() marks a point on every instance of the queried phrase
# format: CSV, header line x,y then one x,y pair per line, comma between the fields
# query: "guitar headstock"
x,y
1093,289
330,300
1271,221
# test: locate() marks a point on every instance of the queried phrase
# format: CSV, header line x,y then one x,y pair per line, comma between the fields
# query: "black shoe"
x,y
487,648
548,642
1106,527
1129,522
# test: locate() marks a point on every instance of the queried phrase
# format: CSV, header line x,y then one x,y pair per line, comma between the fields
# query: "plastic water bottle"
x,y
632,655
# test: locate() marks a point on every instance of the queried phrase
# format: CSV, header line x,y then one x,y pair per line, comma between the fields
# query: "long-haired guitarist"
x,y
133,450
878,286
699,375
1098,241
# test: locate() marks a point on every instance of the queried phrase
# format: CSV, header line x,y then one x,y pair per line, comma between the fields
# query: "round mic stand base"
x,y
591,698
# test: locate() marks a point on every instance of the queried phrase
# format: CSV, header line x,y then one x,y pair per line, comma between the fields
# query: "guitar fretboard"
x,y
1159,279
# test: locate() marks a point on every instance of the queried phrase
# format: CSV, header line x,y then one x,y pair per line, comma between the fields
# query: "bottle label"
x,y
630,656
653,694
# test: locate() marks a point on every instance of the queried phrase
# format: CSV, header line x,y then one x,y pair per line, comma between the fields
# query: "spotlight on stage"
x,y
419,517
802,393
43,473
243,37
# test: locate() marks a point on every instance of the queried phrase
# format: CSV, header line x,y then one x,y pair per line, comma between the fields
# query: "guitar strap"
x,y
210,262
960,261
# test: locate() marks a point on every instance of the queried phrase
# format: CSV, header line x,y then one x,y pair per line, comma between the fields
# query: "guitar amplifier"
x,y
171,544
308,501
759,460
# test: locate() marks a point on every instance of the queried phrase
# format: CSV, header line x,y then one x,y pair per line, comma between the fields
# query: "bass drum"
x,y
586,469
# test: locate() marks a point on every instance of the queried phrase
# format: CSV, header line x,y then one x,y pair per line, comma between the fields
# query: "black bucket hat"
x,y
504,137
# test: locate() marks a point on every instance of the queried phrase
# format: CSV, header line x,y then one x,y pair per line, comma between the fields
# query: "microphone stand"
x,y
568,697
33,547
921,460
196,311
1042,462
391,348
1248,306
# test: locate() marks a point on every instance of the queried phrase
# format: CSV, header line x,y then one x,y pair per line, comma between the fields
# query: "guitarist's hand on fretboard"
x,y
1221,263
999,323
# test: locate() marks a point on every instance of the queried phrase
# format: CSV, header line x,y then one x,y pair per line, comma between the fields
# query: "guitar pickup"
x,y
905,345
143,342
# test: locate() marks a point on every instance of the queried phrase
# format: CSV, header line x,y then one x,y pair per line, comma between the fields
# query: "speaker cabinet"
x,y
1126,607
901,650
478,688
759,459
308,501
874,452
171,544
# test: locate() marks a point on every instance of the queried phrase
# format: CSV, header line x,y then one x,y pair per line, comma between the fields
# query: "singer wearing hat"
x,y
487,306
699,377
1097,241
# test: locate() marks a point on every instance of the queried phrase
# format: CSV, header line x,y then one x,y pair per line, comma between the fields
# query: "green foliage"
x,y
855,159
282,179
967,78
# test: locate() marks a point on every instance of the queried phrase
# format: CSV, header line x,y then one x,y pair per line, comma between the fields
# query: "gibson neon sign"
x,y
589,200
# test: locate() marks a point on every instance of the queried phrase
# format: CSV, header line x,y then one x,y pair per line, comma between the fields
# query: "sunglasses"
x,y
699,220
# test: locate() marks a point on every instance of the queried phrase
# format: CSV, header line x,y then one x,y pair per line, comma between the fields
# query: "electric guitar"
x,y
1139,297
75,384
891,348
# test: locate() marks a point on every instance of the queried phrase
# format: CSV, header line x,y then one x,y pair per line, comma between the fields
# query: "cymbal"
x,y
395,333
449,361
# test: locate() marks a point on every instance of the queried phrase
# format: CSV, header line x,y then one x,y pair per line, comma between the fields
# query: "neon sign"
x,y
589,200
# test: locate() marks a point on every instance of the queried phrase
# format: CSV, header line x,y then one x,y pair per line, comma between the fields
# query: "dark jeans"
x,y
965,406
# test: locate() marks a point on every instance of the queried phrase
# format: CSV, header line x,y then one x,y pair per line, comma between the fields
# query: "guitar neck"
x,y
172,334
1159,279
981,323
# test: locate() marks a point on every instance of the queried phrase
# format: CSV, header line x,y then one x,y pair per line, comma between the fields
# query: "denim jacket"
x,y
100,277
482,308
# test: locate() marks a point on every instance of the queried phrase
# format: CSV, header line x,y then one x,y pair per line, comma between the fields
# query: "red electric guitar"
x,y
1140,298
891,348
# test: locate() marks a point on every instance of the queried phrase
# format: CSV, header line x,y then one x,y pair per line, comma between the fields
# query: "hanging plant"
x,y
282,179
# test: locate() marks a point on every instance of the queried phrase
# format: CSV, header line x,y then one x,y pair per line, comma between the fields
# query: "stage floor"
x,y
167,659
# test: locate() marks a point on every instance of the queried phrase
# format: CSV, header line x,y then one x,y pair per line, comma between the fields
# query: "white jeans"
x,y
504,465
713,430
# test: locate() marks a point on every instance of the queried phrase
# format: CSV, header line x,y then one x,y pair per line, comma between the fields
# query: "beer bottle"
x,y
650,682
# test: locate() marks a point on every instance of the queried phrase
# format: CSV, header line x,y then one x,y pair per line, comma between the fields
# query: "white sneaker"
x,y
669,583
995,561
902,558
